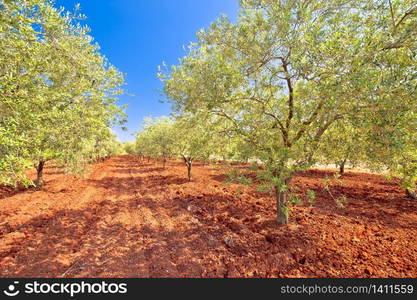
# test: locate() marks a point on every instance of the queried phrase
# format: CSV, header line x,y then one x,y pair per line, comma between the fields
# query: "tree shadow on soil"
x,y
91,242
10,191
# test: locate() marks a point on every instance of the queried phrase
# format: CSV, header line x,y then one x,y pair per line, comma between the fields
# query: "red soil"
x,y
127,219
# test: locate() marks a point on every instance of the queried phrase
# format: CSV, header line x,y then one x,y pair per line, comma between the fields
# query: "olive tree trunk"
x,y
411,194
39,176
342,167
164,161
189,163
282,204
189,166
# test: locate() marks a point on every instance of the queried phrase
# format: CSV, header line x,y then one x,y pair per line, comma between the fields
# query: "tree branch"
x,y
290,94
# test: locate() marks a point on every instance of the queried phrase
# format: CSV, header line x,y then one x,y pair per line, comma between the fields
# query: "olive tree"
x,y
285,73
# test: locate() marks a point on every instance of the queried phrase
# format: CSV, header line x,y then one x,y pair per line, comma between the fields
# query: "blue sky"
x,y
137,36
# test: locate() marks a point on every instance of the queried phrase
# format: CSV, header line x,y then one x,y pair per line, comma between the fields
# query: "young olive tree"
x,y
343,144
389,118
21,67
106,146
130,148
284,74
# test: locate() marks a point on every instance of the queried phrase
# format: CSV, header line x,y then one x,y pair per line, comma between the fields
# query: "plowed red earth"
x,y
128,219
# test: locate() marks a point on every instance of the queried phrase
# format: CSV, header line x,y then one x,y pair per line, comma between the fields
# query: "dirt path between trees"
x,y
133,219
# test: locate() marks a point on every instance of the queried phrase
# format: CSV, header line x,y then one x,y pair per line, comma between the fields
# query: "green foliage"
x,y
342,144
129,148
234,176
294,199
311,197
194,137
341,201
286,210
329,183
157,138
106,146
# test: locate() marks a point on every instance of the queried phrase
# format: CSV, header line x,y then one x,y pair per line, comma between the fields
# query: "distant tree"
x,y
107,146
129,148
343,144
392,146
157,138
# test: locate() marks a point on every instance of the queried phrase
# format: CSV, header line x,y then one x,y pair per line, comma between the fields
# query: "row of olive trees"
x,y
301,80
57,92
181,137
